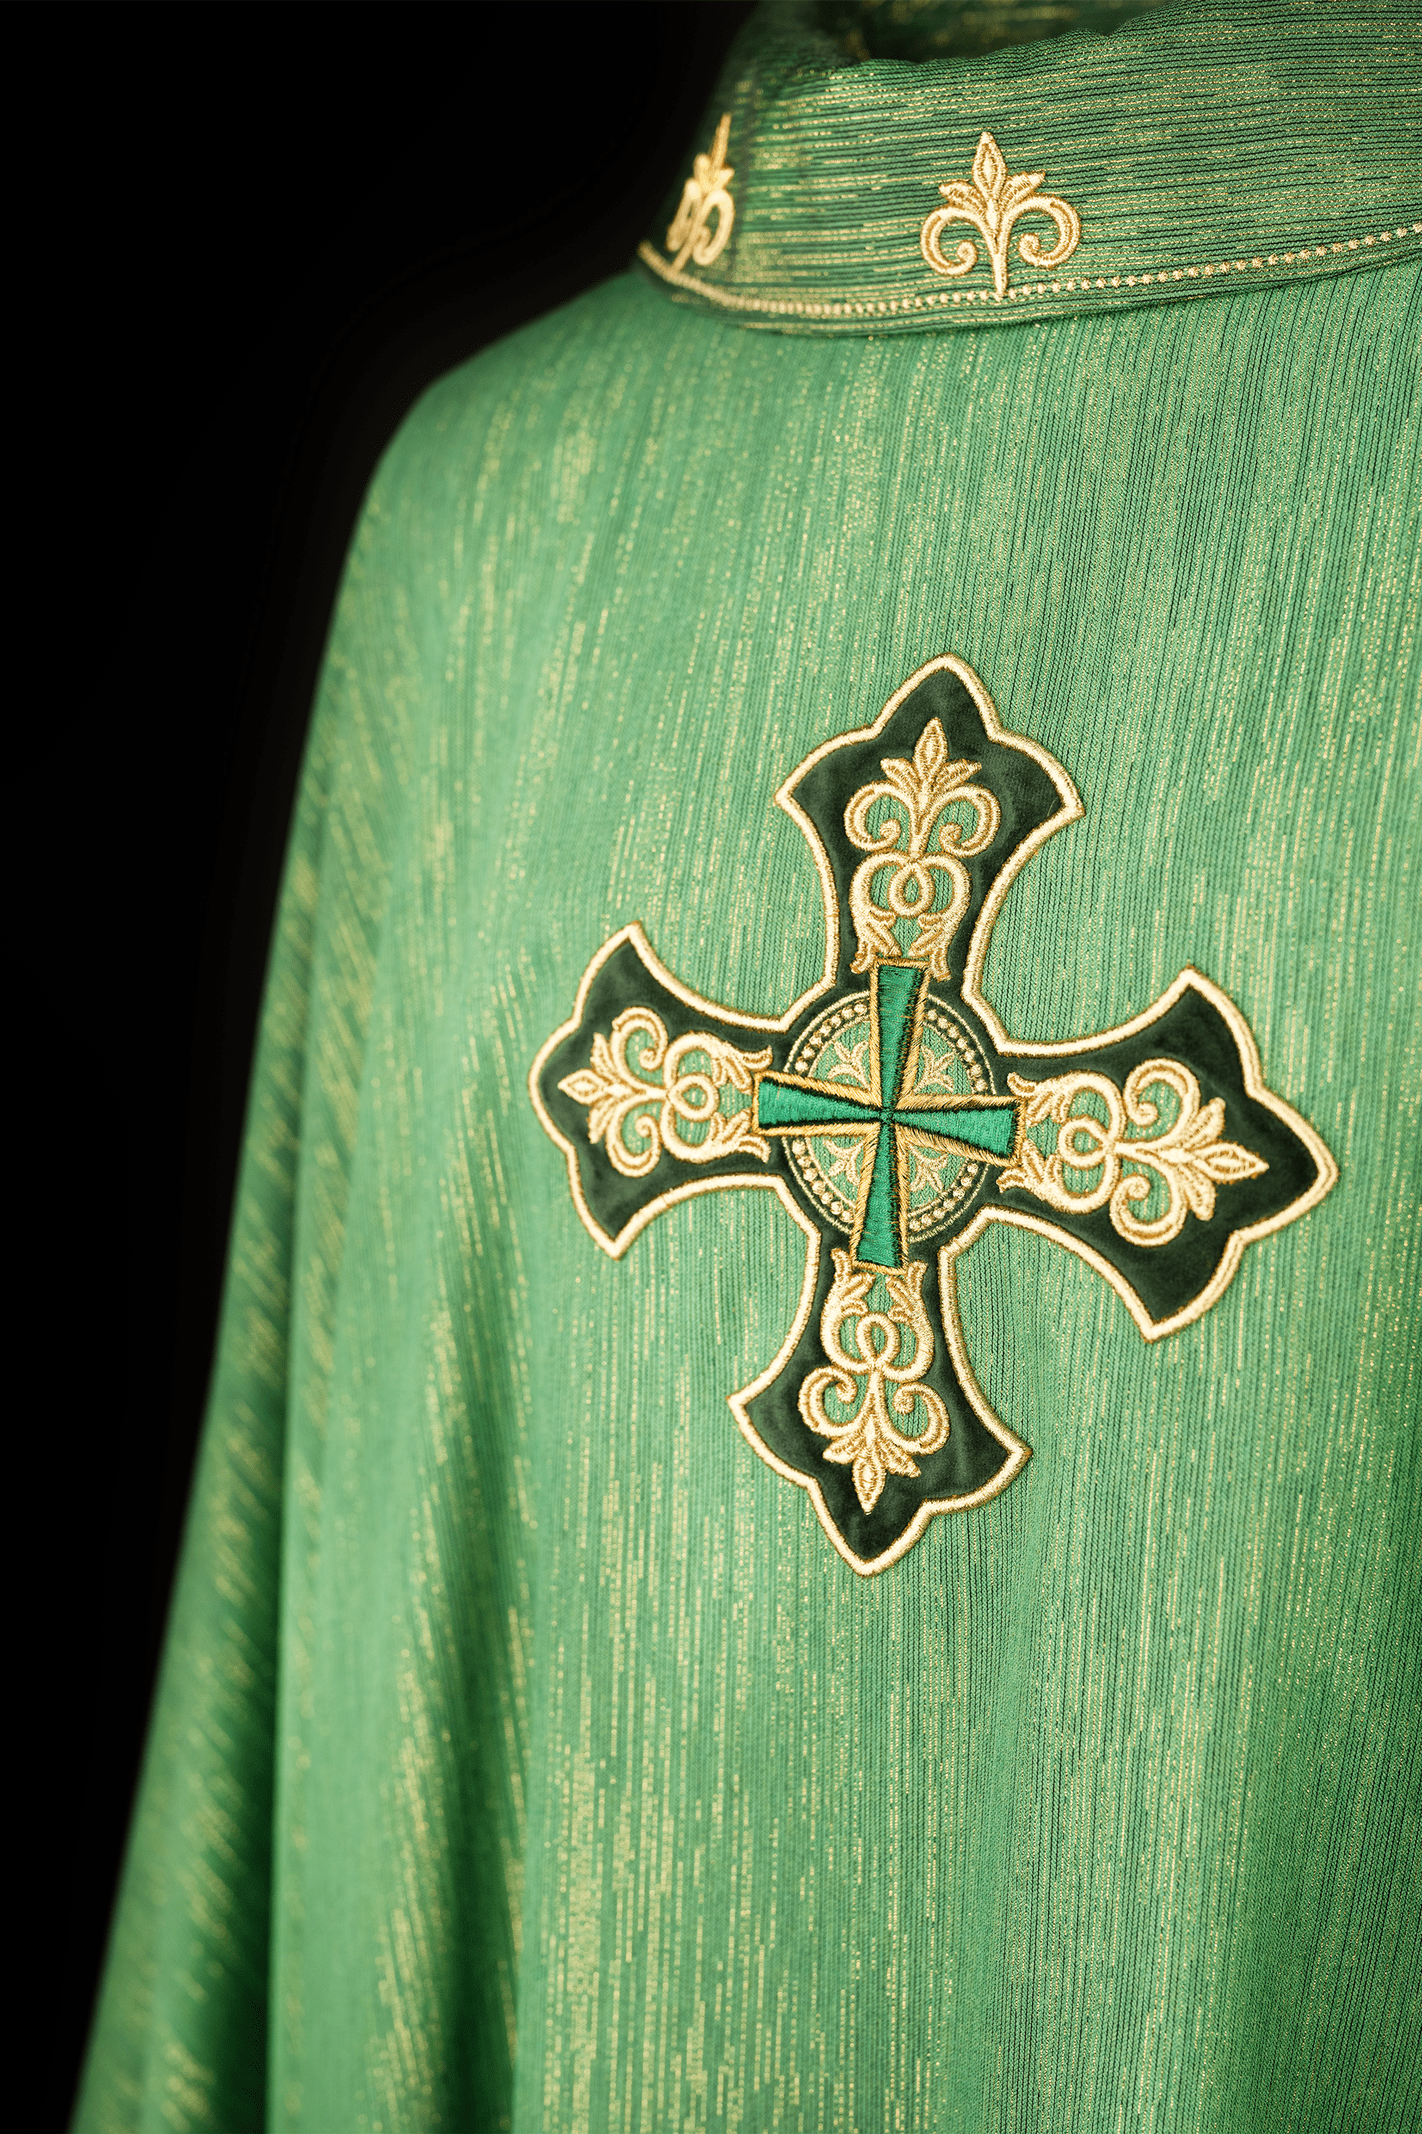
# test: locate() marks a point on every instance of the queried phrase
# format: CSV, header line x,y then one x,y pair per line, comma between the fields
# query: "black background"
x,y
245,238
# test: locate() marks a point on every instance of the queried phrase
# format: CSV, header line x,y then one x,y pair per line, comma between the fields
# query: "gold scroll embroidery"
x,y
691,234
868,1444
624,1099
923,788
1188,1157
992,201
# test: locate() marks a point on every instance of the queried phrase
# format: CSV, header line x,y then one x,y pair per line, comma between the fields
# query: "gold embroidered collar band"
x,y
843,187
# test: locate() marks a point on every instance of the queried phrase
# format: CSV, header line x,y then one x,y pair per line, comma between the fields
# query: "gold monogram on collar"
x,y
692,234
992,201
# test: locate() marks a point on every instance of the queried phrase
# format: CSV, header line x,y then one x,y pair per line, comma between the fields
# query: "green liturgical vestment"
x,y
811,1515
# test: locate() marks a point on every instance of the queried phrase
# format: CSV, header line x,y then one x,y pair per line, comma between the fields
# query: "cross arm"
x,y
649,1091
935,796
1157,1152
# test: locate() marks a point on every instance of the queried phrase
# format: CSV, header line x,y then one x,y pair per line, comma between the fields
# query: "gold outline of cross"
x,y
742,1027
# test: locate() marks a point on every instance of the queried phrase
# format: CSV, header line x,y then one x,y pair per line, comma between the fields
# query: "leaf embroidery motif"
x,y
692,234
845,1164
922,789
639,1117
928,1167
933,1071
1189,1158
846,1063
868,1442
991,202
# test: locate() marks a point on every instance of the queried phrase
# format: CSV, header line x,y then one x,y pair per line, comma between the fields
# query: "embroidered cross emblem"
x,y
895,1118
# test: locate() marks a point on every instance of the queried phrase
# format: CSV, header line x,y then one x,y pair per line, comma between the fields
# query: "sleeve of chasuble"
x,y
181,2020
182,2009
184,2032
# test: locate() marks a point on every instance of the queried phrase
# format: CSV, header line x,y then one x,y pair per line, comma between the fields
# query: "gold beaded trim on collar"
x,y
1306,256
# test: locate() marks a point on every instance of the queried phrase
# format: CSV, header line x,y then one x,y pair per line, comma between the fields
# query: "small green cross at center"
x,y
974,1126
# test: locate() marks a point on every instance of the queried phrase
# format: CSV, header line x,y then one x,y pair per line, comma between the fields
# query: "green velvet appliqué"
x,y
895,1118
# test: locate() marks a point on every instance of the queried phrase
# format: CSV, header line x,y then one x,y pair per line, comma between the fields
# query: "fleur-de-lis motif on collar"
x,y
992,202
692,235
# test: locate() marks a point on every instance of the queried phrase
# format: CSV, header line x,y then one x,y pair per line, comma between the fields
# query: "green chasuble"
x,y
811,1513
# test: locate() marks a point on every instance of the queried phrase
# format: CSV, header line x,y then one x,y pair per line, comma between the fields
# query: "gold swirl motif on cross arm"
x,y
867,1443
1189,1158
640,1117
922,788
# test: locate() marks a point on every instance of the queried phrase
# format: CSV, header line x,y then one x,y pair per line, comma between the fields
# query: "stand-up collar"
x,y
1198,147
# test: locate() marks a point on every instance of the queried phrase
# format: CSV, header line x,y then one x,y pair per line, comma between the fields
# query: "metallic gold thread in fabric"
x,y
523,1756
849,309
1154,137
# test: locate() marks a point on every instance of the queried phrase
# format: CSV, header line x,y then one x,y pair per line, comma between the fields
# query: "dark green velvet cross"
x,y
787,1104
